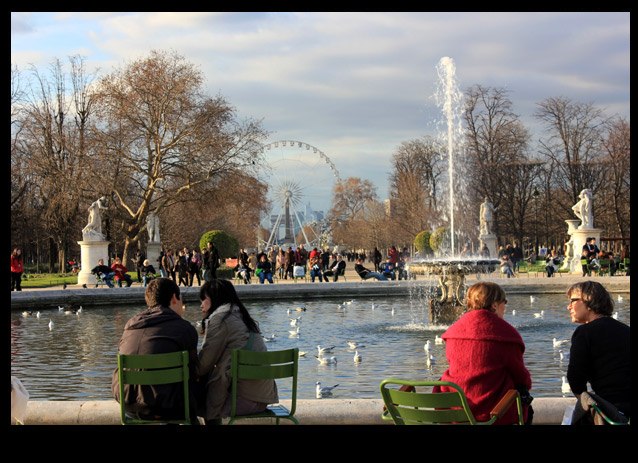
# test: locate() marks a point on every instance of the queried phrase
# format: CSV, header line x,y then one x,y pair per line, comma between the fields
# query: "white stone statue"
x,y
583,210
93,230
486,217
152,227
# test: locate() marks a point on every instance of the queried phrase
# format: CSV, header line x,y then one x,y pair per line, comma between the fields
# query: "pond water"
x,y
75,359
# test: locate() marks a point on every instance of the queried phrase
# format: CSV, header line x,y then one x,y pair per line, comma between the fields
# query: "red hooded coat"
x,y
485,357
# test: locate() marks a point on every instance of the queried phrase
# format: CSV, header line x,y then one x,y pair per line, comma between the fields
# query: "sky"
x,y
353,86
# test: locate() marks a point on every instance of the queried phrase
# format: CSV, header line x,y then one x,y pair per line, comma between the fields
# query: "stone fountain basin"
x,y
453,266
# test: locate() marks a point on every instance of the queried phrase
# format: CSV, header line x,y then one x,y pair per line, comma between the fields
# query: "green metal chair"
x,y
412,407
152,370
605,267
624,265
248,364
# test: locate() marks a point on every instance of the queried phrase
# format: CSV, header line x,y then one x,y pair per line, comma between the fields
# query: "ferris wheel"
x,y
297,174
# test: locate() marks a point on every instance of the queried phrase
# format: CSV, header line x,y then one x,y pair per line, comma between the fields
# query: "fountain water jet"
x,y
449,304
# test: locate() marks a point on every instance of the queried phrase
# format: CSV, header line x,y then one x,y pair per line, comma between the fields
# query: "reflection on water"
x,y
75,360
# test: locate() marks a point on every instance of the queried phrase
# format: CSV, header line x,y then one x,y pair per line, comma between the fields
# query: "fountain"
x,y
449,302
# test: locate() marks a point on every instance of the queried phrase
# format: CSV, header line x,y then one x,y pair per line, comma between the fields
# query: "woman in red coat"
x,y
485,354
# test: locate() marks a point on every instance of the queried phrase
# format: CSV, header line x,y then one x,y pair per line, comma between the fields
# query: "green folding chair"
x,y
272,365
410,406
152,370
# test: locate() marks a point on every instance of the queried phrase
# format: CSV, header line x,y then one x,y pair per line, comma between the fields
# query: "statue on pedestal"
x,y
152,227
583,210
93,230
486,217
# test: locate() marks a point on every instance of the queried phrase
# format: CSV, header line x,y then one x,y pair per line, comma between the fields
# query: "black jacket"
x,y
156,330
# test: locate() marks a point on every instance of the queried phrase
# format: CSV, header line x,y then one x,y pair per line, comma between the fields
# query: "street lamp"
x,y
536,194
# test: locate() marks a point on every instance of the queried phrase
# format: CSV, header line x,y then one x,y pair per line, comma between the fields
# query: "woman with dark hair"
x,y
600,347
227,325
485,355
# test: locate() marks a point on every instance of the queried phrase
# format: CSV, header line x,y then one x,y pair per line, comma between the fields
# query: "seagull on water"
x,y
354,344
326,360
438,339
430,360
427,345
295,321
269,339
558,343
620,298
324,350
614,315
539,315
357,357
294,332
533,299
50,325
302,353
325,389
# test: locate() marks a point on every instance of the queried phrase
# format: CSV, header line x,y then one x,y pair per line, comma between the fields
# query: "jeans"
x,y
265,276
315,273
378,276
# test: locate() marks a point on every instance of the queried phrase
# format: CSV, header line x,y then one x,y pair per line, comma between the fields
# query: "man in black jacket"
x,y
336,269
158,329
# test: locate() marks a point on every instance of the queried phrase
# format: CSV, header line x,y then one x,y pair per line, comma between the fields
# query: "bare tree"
x,y
167,137
497,156
55,130
573,145
414,182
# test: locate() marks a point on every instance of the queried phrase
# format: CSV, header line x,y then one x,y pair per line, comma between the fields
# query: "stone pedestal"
x,y
153,249
579,238
572,224
491,242
91,252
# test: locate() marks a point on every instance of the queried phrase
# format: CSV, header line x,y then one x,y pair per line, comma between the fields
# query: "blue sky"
x,y
353,85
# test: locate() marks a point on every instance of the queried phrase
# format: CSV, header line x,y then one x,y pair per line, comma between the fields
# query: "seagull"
x,y
438,339
614,315
302,353
326,361
37,314
558,343
348,302
295,321
325,389
26,314
533,299
539,315
514,312
430,360
357,357
50,325
620,298
393,311
565,386
269,339
324,350
354,344
294,332
427,345
373,306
